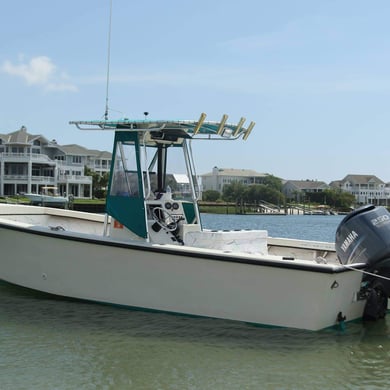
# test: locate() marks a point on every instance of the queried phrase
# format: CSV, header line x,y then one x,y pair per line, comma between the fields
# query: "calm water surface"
x,y
51,343
309,227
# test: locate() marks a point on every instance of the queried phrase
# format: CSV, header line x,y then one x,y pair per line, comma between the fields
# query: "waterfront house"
x,y
29,162
365,188
299,190
219,177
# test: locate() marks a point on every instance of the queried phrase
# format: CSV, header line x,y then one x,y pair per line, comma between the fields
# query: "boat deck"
x,y
75,222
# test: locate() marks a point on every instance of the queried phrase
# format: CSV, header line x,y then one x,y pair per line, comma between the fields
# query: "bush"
x,y
210,196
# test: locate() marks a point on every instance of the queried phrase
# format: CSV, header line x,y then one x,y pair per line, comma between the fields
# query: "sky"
x,y
313,75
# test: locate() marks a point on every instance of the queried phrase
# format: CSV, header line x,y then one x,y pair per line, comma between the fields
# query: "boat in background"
x,y
49,196
150,250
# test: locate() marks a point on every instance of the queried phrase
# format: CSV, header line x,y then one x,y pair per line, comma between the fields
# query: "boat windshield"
x,y
124,175
164,170
51,191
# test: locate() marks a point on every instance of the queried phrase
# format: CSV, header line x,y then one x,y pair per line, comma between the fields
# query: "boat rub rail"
x,y
201,253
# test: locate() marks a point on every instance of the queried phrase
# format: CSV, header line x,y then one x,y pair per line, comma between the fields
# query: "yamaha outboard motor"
x,y
363,236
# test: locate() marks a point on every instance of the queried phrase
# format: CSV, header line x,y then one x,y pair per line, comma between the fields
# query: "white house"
x,y
219,177
29,162
365,188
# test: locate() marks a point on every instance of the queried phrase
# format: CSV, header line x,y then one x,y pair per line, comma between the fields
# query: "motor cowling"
x,y
363,236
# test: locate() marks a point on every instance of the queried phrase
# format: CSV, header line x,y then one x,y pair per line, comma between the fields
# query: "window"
x,y
16,169
125,178
76,159
48,172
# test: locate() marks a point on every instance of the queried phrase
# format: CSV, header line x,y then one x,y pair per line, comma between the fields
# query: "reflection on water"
x,y
52,343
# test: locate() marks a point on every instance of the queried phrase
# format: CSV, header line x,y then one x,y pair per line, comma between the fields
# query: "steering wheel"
x,y
164,219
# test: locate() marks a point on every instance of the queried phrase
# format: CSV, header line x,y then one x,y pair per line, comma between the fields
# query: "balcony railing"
x,y
50,179
74,178
64,164
25,178
98,167
26,157
43,158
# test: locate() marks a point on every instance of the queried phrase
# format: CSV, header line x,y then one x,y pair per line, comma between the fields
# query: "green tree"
x,y
238,192
273,182
99,182
210,196
333,198
345,200
233,192
262,192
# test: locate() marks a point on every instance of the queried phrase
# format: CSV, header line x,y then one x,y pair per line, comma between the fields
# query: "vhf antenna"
x,y
108,61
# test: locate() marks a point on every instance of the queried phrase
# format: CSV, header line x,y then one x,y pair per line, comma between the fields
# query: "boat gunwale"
x,y
27,210
184,251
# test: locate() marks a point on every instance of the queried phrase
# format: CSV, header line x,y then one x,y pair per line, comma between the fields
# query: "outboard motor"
x,y
363,236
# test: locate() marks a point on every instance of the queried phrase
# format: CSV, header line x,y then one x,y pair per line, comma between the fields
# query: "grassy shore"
x,y
91,204
217,208
98,205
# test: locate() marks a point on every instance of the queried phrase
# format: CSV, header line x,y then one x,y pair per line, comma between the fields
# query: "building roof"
x,y
306,184
335,183
235,172
21,136
362,179
74,149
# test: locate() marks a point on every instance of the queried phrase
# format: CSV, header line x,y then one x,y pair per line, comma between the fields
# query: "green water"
x,y
50,343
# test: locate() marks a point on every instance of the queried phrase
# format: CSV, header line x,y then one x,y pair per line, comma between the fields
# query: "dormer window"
x,y
37,142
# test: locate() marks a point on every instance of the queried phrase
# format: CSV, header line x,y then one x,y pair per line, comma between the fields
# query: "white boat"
x,y
48,196
150,250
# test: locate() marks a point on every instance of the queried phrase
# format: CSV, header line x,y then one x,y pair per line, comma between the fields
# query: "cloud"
x,y
39,71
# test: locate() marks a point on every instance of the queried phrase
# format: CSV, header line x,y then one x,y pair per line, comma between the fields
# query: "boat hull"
x,y
42,200
179,279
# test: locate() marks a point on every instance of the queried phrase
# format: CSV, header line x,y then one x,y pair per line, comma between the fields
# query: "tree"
x,y
210,196
334,198
99,182
233,192
273,182
237,192
262,192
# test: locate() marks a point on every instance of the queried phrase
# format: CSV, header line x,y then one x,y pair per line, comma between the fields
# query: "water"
x,y
309,227
52,343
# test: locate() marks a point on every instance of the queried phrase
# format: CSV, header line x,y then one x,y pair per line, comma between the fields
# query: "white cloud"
x,y
39,71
